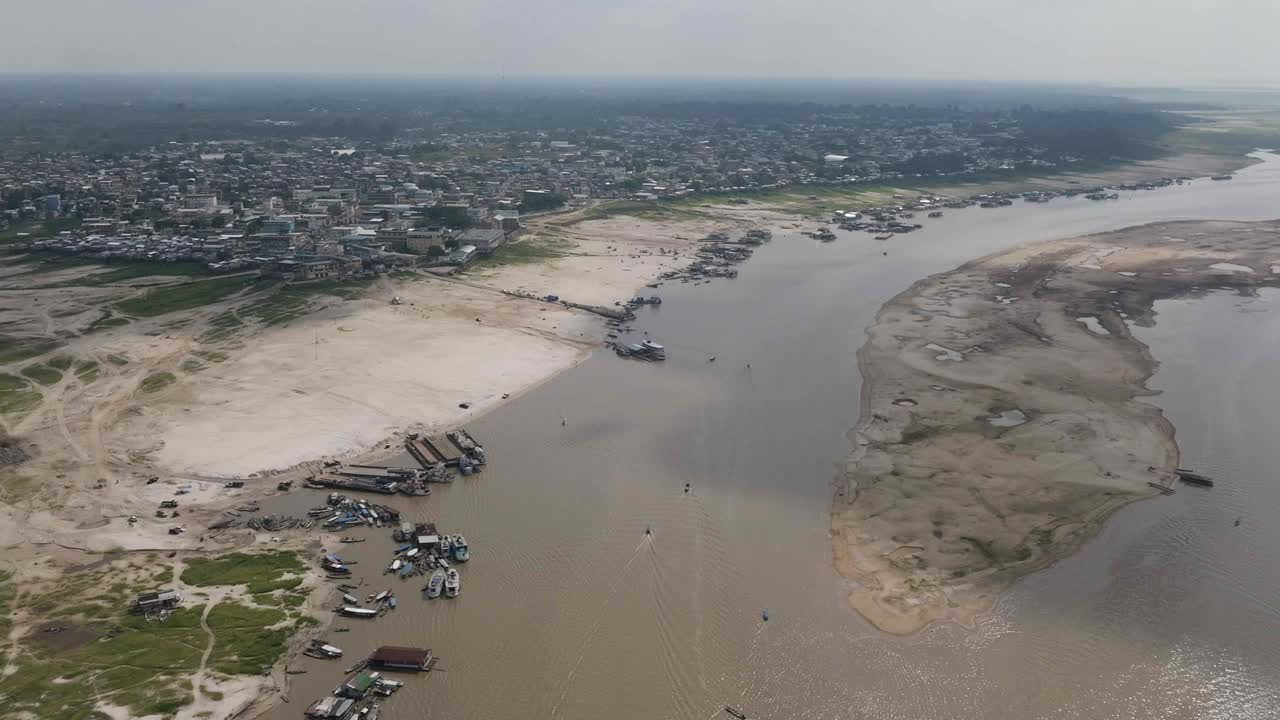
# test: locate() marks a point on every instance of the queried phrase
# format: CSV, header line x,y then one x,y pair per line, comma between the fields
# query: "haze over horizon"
x,y
1174,42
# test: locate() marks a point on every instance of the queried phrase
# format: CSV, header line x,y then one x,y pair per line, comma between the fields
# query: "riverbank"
x,y
1002,420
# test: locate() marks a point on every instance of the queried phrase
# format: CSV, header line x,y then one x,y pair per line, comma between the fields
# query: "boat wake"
x,y
595,627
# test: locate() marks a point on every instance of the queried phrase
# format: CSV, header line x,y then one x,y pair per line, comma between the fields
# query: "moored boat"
x,y
461,551
436,584
452,583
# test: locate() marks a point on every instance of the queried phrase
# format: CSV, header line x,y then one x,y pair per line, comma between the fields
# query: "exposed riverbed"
x,y
567,611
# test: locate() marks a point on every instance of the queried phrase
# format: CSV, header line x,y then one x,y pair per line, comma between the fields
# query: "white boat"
x,y
412,553
446,546
395,565
358,612
380,596
350,599
436,584
443,563
330,650
452,583
461,552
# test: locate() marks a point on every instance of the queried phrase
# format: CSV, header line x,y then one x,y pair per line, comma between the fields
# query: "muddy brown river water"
x,y
569,611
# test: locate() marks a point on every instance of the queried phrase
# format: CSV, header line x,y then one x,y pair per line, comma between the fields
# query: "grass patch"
x,y
158,381
647,209
191,365
107,321
261,572
117,360
246,644
523,252
42,374
16,349
186,296
212,356
37,230
60,362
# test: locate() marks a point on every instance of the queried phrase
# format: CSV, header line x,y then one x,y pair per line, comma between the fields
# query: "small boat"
x,y
406,570
350,599
1194,478
446,547
765,614
358,612
1220,177
350,540
391,601
444,564
380,596
735,712
436,585
452,583
461,552
395,565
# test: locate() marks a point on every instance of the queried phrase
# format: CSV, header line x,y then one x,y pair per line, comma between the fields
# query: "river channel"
x,y
568,610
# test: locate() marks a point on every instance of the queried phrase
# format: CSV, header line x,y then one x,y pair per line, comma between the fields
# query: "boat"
x,y
735,712
358,612
436,585
391,602
406,570
935,214
350,599
452,583
1194,478
380,596
444,564
395,565
654,350
351,540
1220,177
461,552
446,547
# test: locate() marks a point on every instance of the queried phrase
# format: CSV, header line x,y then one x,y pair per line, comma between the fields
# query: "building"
x,y
276,227
200,201
358,685
393,657
463,255
485,240
156,600
421,240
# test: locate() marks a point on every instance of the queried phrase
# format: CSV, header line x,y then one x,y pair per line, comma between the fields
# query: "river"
x,y
569,610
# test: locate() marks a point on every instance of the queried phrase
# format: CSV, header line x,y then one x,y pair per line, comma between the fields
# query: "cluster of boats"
x,y
342,512
381,602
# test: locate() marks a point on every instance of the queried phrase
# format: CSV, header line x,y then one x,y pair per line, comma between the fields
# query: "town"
x,y
307,208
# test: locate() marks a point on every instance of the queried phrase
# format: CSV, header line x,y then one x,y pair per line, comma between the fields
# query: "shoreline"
x,y
940,509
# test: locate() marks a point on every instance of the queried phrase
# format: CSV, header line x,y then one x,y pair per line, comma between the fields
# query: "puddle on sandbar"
x,y
1231,267
947,354
1126,273
1008,418
1094,325
905,402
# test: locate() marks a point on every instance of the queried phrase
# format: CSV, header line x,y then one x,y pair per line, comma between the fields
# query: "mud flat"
x,y
1002,419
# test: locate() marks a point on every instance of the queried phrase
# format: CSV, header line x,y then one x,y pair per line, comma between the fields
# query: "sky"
x,y
1120,42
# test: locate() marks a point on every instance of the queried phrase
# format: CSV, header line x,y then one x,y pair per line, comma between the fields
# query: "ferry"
x,y
654,350
452,583
461,552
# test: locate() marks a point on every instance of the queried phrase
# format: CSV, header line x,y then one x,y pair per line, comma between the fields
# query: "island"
x,y
1003,417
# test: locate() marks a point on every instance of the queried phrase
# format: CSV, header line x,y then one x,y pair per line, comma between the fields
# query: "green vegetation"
x,y
42,374
211,355
191,365
677,211
16,394
37,230
14,349
157,381
283,305
107,321
530,250
261,572
246,645
117,360
60,362
185,296
104,654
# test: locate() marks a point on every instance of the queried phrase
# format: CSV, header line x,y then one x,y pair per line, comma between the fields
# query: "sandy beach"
x,y
1002,418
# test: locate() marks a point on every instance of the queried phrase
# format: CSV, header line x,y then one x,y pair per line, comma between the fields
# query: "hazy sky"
x,y
1179,42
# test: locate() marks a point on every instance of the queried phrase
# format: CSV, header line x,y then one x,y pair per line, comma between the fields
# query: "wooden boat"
x,y
351,540
735,712
1194,478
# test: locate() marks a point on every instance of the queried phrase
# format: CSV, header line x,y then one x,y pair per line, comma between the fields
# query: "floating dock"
x,y
443,450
